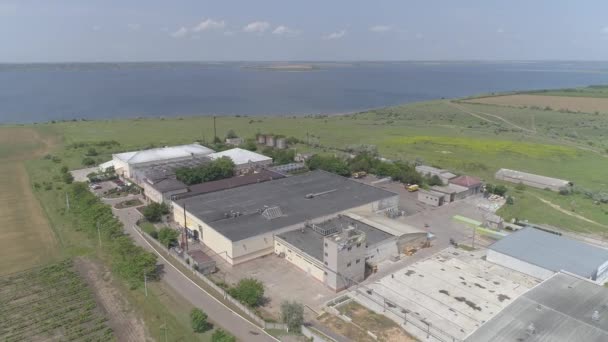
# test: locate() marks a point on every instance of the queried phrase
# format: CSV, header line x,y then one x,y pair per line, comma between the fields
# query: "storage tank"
x,y
261,139
281,143
270,140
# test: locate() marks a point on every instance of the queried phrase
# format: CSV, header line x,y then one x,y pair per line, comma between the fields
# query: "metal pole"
x,y
98,233
473,243
145,284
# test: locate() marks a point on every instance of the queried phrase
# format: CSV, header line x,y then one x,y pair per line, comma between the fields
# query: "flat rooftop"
x,y
228,183
311,242
560,309
241,156
552,252
530,177
163,153
241,213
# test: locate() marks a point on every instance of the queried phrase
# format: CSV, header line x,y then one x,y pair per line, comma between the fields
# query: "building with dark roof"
x,y
541,254
473,184
563,308
240,223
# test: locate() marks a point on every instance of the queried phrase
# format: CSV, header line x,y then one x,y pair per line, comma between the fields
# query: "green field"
x,y
590,91
50,303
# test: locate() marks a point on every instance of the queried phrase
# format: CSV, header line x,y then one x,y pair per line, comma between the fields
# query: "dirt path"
x,y
26,238
123,321
569,213
476,114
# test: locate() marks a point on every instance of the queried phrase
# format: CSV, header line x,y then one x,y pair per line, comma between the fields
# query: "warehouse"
x,y
563,308
536,181
473,184
244,160
430,171
239,224
541,254
126,163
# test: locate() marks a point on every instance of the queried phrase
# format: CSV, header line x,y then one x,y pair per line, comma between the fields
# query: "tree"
x,y
329,164
168,236
292,314
221,336
520,186
64,169
198,320
248,291
231,134
67,178
218,169
250,145
500,190
364,161
510,200
434,180
155,211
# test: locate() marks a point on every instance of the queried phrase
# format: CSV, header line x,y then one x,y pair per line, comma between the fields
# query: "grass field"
x,y
26,238
51,303
564,102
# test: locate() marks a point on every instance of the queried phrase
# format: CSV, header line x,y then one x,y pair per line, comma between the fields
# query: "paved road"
x,y
218,313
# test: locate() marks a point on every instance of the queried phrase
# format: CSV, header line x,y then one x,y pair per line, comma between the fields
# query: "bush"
x,y
198,320
520,187
329,164
279,157
91,152
510,200
221,336
168,236
434,180
87,161
564,190
292,314
154,234
248,291
250,145
64,169
56,159
500,190
231,134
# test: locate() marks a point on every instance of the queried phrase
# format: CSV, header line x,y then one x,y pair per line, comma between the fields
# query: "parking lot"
x,y
454,291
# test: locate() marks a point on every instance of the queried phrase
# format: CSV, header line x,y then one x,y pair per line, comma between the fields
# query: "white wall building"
x,y
244,160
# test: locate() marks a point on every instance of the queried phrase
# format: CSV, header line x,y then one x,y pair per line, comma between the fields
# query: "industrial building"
x,y
473,184
239,224
311,249
529,179
127,163
563,308
244,160
541,254
430,171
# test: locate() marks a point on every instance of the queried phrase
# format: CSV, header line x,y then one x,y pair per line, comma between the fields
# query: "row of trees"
x,y
154,211
279,157
129,262
218,169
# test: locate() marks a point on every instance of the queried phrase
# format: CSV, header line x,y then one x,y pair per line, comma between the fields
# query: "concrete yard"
x,y
454,291
282,281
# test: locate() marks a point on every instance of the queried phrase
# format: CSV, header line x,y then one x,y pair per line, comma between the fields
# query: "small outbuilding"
x,y
541,254
431,197
201,261
430,171
473,184
452,192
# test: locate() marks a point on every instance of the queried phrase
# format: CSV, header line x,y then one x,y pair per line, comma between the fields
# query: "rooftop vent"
x,y
313,195
596,316
272,212
325,231
531,329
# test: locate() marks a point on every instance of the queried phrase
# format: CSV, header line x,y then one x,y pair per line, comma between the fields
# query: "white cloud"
x,y
96,28
256,27
209,24
134,27
180,33
380,28
335,35
500,30
605,30
284,30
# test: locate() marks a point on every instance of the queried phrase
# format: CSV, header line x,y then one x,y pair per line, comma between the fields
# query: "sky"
x,y
307,30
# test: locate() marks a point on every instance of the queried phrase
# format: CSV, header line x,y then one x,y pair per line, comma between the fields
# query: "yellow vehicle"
x,y
412,188
359,174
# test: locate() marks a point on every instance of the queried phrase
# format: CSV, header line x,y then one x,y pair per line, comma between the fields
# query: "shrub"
x,y
329,164
87,161
91,152
231,134
435,180
168,236
520,187
215,170
564,190
221,336
67,178
198,320
154,234
155,211
292,314
64,169
250,145
510,200
56,159
500,190
248,291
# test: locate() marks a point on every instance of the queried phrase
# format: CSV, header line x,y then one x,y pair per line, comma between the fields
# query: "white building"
x,y
244,160
126,163
430,171
529,179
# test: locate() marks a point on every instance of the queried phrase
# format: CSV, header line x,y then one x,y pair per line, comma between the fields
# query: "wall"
x,y
430,199
158,197
300,259
381,251
518,265
343,265
119,164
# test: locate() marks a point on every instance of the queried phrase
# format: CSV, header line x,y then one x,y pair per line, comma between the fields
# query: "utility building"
x,y
541,254
529,179
239,224
430,171
244,160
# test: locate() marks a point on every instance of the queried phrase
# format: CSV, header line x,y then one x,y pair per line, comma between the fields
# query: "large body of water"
x,y
39,93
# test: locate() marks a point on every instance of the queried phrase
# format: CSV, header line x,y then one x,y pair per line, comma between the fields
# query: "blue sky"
x,y
159,30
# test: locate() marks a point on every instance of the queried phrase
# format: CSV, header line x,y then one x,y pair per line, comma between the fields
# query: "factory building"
x,y
563,308
315,247
529,179
541,254
244,160
127,164
240,224
430,171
